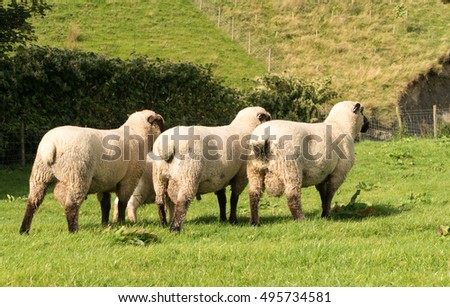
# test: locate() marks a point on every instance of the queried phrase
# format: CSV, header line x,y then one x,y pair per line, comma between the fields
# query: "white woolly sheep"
x,y
291,155
195,160
143,194
83,161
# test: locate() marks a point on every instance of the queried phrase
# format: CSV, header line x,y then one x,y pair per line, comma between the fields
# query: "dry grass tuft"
x,y
73,37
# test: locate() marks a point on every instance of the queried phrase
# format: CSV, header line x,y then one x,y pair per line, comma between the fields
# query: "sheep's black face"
x,y
365,125
263,117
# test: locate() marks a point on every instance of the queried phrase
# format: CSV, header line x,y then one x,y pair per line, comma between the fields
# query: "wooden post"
x,y
269,61
435,123
218,17
249,47
399,119
201,5
232,28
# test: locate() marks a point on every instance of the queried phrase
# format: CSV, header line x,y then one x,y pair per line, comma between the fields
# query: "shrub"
x,y
292,98
45,87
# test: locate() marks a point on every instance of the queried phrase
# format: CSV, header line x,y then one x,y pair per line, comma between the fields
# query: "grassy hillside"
x,y
388,237
370,49
168,29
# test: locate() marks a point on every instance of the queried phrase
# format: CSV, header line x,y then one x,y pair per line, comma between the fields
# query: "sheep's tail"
x,y
164,148
261,148
48,153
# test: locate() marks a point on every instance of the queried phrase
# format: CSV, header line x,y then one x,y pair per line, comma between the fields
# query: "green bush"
x,y
292,98
45,87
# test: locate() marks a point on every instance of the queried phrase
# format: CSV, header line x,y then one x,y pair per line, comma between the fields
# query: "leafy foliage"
x,y
292,98
14,24
47,87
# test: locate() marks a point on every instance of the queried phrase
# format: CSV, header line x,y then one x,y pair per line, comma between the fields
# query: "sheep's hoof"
x,y
24,231
176,229
233,221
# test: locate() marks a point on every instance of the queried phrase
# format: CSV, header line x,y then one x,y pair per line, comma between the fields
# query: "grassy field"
x,y
369,49
167,29
388,237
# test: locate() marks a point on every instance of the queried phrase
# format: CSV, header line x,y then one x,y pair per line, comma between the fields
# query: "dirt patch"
x,y
429,88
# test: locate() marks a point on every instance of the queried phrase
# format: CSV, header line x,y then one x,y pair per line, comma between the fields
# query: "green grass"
x,y
388,237
370,49
166,29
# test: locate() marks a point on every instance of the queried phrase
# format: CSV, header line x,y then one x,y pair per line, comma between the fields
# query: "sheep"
x,y
195,160
145,194
287,156
84,160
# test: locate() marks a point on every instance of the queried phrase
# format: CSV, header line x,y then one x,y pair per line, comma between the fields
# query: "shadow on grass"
x,y
97,226
360,211
354,211
245,220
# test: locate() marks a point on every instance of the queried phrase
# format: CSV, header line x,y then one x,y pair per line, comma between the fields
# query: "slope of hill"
x,y
167,29
370,49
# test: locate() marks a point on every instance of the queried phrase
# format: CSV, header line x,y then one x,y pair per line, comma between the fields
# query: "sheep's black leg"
x,y
233,207
162,214
255,191
294,204
254,206
34,201
122,208
179,215
72,217
222,199
326,196
105,205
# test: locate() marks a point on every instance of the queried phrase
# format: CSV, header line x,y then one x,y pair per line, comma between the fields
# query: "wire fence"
x,y
240,31
432,122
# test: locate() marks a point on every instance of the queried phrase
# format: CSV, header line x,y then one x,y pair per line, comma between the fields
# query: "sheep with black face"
x,y
290,155
190,161
82,161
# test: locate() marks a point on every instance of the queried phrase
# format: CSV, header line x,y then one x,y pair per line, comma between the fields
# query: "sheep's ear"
x,y
263,117
158,120
356,107
152,118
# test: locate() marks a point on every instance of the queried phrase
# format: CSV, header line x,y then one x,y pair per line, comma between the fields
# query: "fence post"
x,y
232,28
435,124
249,48
399,119
218,17
201,5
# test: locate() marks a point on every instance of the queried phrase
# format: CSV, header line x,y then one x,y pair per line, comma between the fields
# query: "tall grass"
x,y
371,49
387,237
